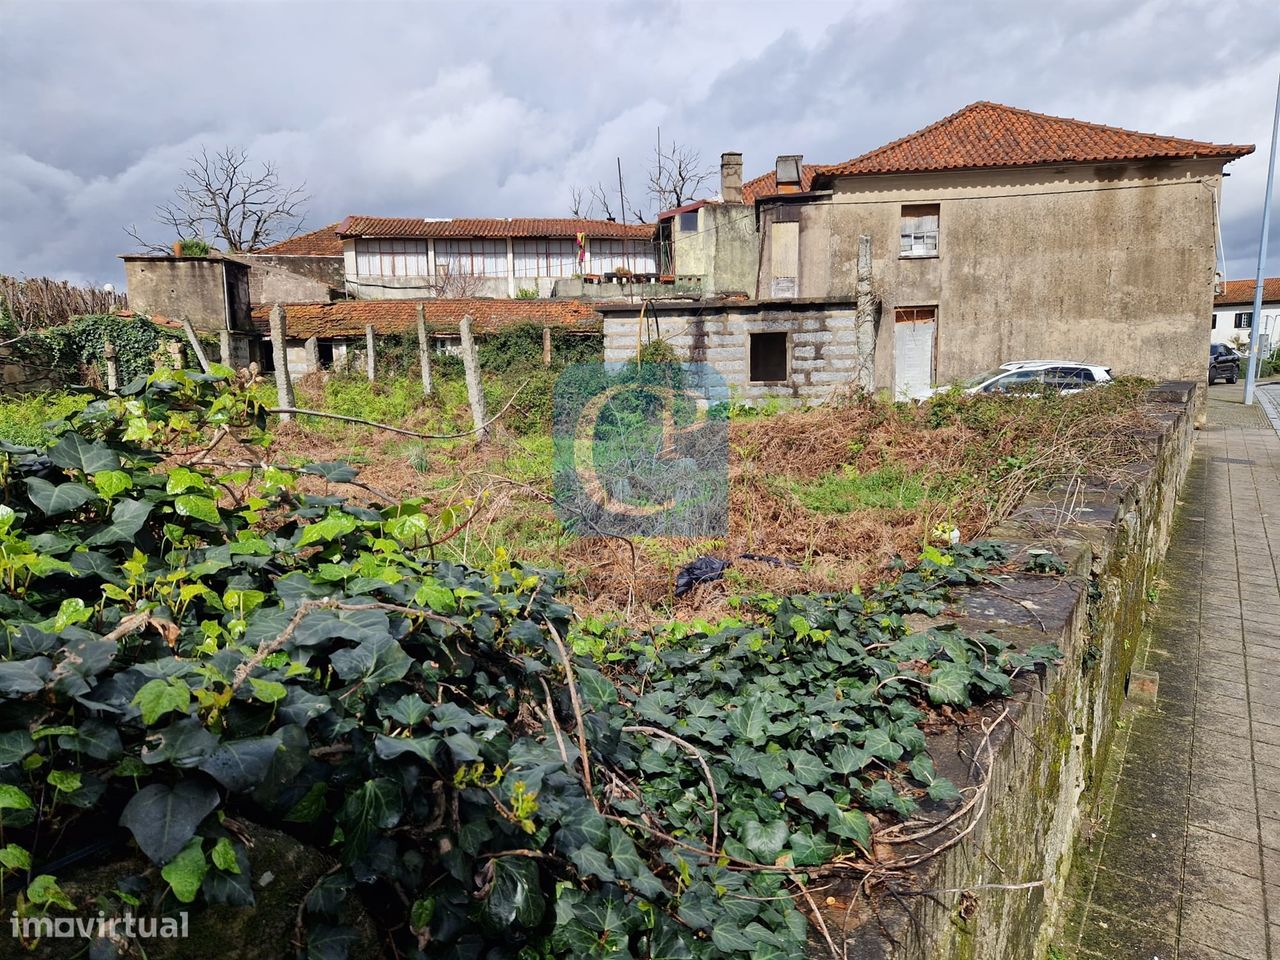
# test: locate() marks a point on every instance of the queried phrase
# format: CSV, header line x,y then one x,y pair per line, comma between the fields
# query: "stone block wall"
x,y
990,884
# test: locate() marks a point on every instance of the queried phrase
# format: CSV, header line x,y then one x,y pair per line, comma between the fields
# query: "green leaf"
x,y
202,508
268,691
421,914
809,770
596,690
158,697
44,890
516,897
374,805
728,937
64,780
13,798
847,759
750,721
336,524
108,483
765,840
62,498
14,745
182,479
23,676
162,818
949,683
309,807
943,789
436,596
224,856
185,872
73,452
15,857
879,743
409,710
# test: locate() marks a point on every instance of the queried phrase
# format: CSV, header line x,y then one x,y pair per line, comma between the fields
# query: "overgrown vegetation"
x,y
188,652
32,303
73,352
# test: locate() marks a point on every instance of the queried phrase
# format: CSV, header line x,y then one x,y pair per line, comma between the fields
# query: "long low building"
x,y
324,336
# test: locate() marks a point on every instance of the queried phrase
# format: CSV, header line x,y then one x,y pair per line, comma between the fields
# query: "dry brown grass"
x,y
978,458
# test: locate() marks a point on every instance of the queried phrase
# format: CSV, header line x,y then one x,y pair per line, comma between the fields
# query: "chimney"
x,y
731,177
788,168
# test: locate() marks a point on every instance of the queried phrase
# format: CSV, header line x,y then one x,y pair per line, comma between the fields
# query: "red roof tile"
x,y
493,228
992,135
1241,292
324,242
348,318
766,185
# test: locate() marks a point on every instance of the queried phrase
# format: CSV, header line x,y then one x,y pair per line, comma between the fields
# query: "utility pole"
x,y
622,199
1256,323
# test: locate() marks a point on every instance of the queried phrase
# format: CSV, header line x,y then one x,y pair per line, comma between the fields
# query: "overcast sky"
x,y
456,109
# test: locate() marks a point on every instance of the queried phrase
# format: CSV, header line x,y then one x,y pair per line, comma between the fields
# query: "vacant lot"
x,y
830,496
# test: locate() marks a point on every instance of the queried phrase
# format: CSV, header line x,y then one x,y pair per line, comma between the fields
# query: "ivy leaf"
x,y
750,721
158,697
127,518
516,896
436,596
240,765
14,745
108,483
846,759
336,524
879,743
13,798
729,938
224,856
23,676
374,662
65,781
949,683
44,890
374,805
268,691
185,872
162,818
15,857
598,692
410,710
327,942
809,770
765,840
201,508
61,498
73,452
332,471
943,789
182,479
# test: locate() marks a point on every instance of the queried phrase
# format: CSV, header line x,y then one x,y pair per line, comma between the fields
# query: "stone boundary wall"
x,y
992,890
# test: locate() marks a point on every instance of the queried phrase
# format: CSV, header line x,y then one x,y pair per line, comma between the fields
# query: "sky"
x,y
499,109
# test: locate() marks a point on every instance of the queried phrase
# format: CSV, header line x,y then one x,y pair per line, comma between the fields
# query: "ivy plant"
x,y
188,652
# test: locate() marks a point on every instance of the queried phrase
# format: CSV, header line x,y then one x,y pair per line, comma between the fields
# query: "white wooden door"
x,y
913,357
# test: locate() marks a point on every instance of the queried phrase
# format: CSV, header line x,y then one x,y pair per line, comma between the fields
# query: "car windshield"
x,y
982,378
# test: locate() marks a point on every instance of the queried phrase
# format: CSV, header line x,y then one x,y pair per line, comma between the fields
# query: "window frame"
x,y
786,355
913,224
1244,320
472,250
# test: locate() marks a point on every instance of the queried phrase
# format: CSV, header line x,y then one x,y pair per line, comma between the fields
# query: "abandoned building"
x,y
995,234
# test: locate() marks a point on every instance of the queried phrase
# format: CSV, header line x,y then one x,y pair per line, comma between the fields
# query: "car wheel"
x,y
1233,378
1212,379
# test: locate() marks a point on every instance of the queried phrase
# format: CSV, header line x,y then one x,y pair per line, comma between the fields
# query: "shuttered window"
x,y
919,230
391,258
476,258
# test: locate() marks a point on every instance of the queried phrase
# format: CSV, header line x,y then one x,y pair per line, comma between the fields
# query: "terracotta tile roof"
x,y
324,242
492,228
992,135
1241,292
766,185
348,318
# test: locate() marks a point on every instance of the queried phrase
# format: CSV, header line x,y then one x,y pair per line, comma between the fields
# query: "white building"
x,y
1233,314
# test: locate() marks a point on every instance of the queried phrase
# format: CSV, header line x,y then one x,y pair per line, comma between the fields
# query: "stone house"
x,y
995,234
1233,314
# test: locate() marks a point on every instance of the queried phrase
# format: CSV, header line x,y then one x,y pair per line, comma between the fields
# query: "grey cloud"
x,y
496,109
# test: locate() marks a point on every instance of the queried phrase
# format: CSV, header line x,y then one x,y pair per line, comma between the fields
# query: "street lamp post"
x,y
1256,323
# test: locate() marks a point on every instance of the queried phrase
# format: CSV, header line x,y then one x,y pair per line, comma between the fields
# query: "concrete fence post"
x,y
177,359
312,348
113,366
190,331
280,356
475,392
224,348
546,346
368,351
865,306
424,352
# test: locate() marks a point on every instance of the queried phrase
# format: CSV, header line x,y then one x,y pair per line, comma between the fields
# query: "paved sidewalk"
x,y
1185,863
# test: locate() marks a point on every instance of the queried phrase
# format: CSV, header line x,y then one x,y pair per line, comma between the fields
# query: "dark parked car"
x,y
1224,363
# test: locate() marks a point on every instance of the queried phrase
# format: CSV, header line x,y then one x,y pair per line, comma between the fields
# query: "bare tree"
x,y
579,204
678,175
226,198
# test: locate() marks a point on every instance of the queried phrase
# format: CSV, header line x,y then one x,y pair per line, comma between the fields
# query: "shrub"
x,y
69,348
189,247
31,420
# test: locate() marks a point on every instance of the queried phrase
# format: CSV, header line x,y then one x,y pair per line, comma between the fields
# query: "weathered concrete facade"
x,y
1112,264
808,349
211,292
713,246
275,278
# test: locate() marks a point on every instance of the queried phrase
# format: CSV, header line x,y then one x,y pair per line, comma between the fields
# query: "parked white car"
x,y
1065,376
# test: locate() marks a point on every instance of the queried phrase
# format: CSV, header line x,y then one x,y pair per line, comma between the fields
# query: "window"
x,y
1244,320
784,255
636,255
689,221
391,258
324,351
545,258
1019,380
919,230
479,258
768,357
1213,322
